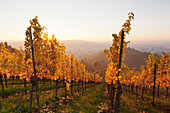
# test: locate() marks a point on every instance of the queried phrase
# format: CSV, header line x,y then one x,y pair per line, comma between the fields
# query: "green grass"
x,y
86,102
21,103
129,104
12,90
19,88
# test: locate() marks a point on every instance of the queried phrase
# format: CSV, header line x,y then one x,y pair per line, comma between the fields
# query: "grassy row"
x,y
86,103
21,103
19,88
148,97
131,104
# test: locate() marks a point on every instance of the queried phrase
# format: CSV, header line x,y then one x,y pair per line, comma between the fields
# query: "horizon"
x,y
135,45
134,41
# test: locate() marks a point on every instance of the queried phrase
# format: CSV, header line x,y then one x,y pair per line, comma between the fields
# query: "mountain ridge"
x,y
98,62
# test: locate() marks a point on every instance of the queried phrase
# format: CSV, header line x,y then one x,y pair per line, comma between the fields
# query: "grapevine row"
x,y
51,62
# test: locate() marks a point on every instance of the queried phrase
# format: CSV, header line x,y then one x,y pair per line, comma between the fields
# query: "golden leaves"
x,y
51,61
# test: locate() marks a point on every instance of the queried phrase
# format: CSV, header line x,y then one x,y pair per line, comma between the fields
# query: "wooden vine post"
x,y
119,88
1,81
154,84
35,77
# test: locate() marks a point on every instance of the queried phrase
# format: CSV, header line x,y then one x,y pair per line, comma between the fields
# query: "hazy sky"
x,y
92,20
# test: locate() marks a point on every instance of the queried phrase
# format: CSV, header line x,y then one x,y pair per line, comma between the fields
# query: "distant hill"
x,y
135,58
98,62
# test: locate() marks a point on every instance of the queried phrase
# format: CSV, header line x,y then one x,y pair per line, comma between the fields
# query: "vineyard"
x,y
44,78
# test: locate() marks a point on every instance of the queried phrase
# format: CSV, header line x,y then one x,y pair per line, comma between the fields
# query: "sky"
x,y
90,20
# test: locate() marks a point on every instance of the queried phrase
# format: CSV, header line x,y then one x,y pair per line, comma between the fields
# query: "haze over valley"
x,y
83,49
